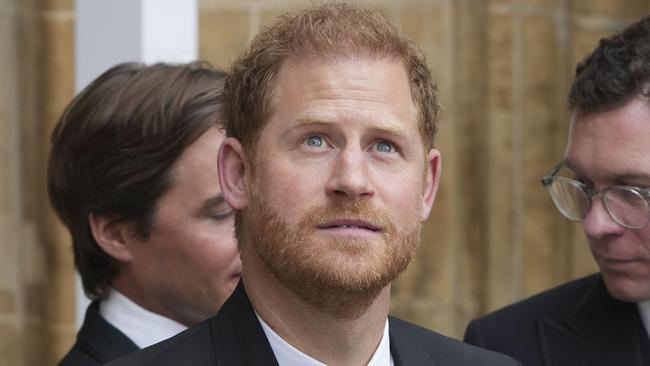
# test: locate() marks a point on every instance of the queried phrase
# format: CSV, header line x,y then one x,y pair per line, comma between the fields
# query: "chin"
x,y
627,290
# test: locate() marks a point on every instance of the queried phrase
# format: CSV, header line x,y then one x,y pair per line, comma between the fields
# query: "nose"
x,y
349,177
598,224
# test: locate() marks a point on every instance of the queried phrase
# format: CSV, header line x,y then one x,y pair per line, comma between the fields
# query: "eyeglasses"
x,y
627,206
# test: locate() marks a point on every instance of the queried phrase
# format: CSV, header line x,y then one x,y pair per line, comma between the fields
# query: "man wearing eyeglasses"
x,y
604,182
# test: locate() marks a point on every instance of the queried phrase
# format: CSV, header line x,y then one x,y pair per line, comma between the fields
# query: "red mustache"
x,y
362,214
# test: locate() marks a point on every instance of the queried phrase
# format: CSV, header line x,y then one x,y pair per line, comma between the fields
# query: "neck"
x,y
335,339
145,298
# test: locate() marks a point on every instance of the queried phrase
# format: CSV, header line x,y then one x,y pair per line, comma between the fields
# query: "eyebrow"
x,y
624,176
388,128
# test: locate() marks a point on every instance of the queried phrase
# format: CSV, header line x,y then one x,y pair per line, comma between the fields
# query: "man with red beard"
x,y
331,115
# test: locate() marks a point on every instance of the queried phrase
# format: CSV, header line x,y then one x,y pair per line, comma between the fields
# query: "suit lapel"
x,y
599,331
237,335
644,345
403,349
100,339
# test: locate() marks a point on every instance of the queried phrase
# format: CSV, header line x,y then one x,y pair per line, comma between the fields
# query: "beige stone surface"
x,y
57,91
268,12
57,68
501,276
7,7
542,252
469,101
7,301
431,281
610,9
222,35
57,5
59,313
27,88
267,15
8,121
37,344
584,39
11,345
430,26
582,262
540,4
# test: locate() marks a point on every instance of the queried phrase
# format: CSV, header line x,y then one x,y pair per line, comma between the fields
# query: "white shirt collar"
x,y
644,312
140,325
288,355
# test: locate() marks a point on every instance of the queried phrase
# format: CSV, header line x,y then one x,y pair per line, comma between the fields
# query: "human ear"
x,y
112,236
233,168
431,181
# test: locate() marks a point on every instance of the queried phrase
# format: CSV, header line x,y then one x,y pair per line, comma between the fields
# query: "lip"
x,y
617,263
349,228
348,224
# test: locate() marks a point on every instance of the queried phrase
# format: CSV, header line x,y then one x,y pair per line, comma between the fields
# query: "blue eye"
x,y
315,141
385,147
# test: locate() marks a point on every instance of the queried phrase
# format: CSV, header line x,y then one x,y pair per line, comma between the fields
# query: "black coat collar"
x,y
99,339
599,331
238,337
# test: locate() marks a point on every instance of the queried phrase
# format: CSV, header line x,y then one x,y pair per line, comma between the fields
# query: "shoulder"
x,y
77,357
192,346
514,328
97,341
554,303
420,344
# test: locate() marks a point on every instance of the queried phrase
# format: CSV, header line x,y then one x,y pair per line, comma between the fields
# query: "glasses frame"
x,y
548,179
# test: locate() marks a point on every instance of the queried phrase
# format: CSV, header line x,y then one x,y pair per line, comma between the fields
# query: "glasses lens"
x,y
569,198
627,207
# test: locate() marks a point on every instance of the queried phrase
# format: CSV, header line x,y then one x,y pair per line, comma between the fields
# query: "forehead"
x,y
345,88
615,142
353,70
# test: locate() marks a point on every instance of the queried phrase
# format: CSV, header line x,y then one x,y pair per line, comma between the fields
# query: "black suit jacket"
x,y
235,337
97,341
575,324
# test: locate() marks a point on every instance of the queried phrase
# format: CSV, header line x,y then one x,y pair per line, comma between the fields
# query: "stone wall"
x,y
503,68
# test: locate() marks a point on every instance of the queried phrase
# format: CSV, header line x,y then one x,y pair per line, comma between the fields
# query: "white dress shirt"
x,y
142,326
288,355
644,312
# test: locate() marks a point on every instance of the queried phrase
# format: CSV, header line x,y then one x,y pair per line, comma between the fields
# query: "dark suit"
x,y
575,324
235,337
97,341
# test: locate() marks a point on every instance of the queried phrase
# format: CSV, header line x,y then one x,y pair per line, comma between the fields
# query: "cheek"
x,y
211,254
289,192
643,238
403,192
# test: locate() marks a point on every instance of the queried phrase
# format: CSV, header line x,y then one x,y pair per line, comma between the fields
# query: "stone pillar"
x,y
34,284
438,287
11,314
53,293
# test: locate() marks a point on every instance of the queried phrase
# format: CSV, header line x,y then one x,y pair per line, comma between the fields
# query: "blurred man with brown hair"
x,y
331,116
603,181
133,176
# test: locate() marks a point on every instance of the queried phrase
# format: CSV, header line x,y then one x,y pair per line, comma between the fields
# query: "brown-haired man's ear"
x,y
112,236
